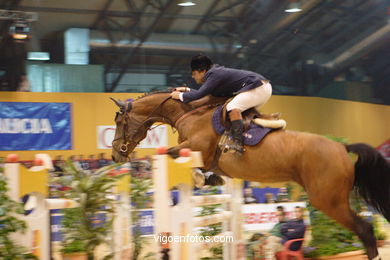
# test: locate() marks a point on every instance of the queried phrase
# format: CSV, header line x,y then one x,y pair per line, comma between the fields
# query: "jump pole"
x,y
179,220
33,182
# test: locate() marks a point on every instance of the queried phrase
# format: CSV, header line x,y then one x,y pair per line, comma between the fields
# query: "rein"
x,y
187,114
218,151
198,109
126,137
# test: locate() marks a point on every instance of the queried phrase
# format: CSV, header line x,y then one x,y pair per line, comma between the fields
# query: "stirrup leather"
x,y
227,143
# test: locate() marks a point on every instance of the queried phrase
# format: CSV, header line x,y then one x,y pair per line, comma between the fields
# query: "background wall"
x,y
358,122
65,78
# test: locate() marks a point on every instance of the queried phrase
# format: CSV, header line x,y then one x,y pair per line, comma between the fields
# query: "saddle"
x,y
251,115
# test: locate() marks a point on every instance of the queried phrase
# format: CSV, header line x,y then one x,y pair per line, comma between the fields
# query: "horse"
x,y
321,166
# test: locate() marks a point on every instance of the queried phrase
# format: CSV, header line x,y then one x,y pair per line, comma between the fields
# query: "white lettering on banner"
x,y
155,138
262,217
25,126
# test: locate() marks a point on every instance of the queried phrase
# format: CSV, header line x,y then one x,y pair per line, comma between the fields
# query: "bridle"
x,y
128,138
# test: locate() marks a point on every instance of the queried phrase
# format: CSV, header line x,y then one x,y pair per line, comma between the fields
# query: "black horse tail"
x,y
372,177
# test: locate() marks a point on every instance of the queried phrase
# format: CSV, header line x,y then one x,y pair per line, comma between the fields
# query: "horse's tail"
x,y
372,177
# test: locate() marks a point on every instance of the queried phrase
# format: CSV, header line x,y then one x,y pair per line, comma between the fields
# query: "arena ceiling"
x,y
295,50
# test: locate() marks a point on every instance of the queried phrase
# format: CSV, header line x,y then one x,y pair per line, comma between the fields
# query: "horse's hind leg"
x,y
335,203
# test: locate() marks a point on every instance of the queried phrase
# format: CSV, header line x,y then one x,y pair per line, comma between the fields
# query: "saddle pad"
x,y
252,136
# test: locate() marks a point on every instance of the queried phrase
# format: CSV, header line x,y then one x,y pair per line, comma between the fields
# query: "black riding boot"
x,y
237,130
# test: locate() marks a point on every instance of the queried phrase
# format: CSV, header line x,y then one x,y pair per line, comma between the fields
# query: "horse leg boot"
x,y
199,177
174,151
237,130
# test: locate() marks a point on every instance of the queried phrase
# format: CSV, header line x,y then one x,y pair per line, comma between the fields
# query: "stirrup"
x,y
238,149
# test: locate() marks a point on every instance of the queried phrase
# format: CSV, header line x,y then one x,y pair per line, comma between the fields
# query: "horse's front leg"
x,y
174,151
199,178
197,175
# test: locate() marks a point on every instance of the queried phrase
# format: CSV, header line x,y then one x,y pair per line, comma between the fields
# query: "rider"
x,y
248,88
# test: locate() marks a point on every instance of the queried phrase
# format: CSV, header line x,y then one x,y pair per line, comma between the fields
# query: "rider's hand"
x,y
182,89
175,95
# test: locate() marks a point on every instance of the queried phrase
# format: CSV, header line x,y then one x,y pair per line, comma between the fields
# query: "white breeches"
x,y
256,97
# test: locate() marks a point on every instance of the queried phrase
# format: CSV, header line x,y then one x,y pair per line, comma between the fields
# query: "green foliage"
x,y
139,192
9,223
342,140
140,199
213,229
378,233
76,246
92,193
328,237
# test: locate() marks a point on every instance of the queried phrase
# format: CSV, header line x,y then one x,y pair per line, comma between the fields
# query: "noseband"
x,y
127,138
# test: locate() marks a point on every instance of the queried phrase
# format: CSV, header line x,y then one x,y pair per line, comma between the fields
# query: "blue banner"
x,y
35,126
56,217
55,234
145,223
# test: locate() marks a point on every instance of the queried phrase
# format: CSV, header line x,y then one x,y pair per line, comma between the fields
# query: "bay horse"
x,y
322,166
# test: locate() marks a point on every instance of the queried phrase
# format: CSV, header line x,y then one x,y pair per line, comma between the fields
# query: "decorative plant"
x,y
338,139
92,193
378,233
213,229
140,199
328,237
10,224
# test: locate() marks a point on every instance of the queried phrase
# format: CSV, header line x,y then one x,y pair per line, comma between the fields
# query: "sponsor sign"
x,y
156,137
57,216
145,223
35,126
262,217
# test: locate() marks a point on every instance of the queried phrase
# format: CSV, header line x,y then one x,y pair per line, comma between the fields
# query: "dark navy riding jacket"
x,y
293,229
225,82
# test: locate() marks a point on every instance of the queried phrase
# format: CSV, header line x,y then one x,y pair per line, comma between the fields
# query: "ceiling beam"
x,y
205,17
228,7
129,57
131,6
274,28
102,14
122,14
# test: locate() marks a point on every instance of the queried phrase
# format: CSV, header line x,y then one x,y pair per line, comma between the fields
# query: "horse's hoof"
x,y
198,178
214,180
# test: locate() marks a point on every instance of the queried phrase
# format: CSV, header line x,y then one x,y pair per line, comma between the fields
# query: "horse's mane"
x,y
186,106
164,91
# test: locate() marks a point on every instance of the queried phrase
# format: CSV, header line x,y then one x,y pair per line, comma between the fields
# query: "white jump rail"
x,y
34,182
179,220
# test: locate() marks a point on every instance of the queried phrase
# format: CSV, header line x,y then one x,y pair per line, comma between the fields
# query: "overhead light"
x,y
36,55
20,31
186,3
293,7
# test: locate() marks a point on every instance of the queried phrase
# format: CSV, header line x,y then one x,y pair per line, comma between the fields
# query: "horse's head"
x,y
131,128
134,119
